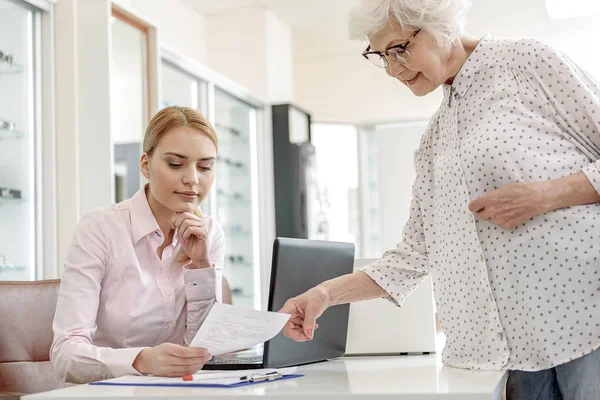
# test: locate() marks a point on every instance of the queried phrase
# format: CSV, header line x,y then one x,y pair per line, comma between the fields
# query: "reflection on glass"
x,y
128,99
18,197
337,213
180,88
235,121
371,204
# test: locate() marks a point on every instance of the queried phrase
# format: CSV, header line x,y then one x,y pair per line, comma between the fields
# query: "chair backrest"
x,y
227,296
26,315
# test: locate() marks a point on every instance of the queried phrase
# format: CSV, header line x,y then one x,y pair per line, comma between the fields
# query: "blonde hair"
x,y
173,117
444,20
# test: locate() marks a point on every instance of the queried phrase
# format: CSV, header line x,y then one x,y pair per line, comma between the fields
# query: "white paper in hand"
x,y
228,328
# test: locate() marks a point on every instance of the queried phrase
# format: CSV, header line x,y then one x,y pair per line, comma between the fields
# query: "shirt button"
x,y
481,257
170,324
460,180
168,292
500,336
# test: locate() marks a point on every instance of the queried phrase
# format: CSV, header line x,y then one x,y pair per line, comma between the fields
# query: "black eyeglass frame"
x,y
384,54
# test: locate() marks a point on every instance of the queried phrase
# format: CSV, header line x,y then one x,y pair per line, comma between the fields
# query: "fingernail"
x,y
310,333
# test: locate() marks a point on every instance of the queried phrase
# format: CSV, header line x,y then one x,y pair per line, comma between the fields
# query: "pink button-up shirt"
x,y
118,297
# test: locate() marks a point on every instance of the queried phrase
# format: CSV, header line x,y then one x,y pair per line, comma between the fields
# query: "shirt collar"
x,y
143,222
465,77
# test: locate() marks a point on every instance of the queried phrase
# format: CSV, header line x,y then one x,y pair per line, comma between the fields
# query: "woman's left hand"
x,y
194,237
513,204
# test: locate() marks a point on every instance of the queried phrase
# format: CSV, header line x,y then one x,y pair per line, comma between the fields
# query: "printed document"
x,y
227,328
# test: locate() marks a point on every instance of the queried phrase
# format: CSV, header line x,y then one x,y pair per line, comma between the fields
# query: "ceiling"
x,y
320,26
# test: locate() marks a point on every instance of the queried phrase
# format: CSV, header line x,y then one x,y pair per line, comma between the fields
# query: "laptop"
x,y
409,329
298,265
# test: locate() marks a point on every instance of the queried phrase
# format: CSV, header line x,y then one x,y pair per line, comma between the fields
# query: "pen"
x,y
271,376
246,378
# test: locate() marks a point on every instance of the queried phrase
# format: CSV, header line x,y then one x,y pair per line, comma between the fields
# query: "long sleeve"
x,y
572,99
401,270
204,286
73,354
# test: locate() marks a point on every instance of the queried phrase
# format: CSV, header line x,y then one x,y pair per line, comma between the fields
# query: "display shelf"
x,y
234,231
11,134
7,68
12,268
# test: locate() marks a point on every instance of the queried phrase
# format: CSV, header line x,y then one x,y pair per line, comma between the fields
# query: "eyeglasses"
x,y
396,53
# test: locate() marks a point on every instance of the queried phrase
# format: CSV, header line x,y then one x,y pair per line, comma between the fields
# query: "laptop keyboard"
x,y
238,360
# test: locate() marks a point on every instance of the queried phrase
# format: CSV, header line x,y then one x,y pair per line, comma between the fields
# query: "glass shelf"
x,y
236,232
12,68
10,194
232,164
11,134
232,142
12,268
235,175
230,203
240,293
239,265
234,132
4,201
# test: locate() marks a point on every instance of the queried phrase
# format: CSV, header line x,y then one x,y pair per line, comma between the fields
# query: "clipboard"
x,y
179,382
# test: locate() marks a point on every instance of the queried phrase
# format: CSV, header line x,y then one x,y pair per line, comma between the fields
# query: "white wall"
x,y
347,88
254,48
240,57
128,83
396,146
67,121
279,61
182,29
93,73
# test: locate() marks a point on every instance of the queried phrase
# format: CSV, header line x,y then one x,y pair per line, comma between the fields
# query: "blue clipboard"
x,y
197,384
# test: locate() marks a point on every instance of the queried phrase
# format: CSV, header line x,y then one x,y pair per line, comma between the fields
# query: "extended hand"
x,y
305,309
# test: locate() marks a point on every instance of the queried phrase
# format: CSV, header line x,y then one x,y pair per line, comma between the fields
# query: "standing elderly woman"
x,y
505,212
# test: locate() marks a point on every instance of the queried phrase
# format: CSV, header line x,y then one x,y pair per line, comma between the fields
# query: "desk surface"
x,y
404,377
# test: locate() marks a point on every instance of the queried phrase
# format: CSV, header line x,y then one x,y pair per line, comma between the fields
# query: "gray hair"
x,y
444,20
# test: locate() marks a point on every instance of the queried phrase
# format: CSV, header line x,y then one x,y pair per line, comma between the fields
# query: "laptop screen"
x,y
298,265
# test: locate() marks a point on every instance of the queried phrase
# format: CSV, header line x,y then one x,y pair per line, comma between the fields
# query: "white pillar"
x,y
93,62
67,126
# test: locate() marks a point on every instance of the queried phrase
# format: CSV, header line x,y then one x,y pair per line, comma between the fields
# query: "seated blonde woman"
x,y
141,276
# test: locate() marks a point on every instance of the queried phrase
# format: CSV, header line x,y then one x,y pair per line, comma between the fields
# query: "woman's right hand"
x,y
304,310
171,360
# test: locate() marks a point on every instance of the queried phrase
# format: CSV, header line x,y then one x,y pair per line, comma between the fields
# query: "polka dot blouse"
x,y
526,298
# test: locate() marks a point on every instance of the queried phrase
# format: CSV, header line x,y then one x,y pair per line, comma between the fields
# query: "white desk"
x,y
406,377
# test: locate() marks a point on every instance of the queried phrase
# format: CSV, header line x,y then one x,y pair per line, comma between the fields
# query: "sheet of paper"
x,y
228,328
208,377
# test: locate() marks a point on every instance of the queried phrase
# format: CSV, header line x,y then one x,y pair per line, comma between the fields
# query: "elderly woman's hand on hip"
x,y
513,204
304,310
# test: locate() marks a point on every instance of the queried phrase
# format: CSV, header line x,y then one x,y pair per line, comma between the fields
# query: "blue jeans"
x,y
576,380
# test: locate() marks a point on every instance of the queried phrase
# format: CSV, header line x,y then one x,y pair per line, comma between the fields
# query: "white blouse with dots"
x,y
526,298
